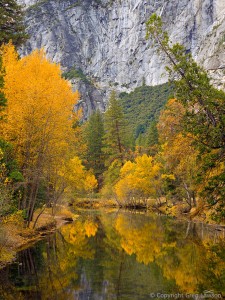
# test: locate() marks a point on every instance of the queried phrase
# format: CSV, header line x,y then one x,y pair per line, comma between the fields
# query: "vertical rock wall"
x,y
106,40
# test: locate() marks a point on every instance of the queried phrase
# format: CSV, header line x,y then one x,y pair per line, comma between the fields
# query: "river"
x,y
120,255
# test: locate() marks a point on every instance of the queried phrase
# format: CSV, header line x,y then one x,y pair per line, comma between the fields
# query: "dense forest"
x,y
159,146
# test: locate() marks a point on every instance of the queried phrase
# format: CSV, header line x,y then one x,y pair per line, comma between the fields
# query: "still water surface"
x,y
119,255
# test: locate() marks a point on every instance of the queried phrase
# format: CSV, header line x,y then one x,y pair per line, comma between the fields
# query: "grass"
x,y
14,236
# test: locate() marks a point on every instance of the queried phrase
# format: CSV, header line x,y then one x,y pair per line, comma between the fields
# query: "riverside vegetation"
x,y
171,157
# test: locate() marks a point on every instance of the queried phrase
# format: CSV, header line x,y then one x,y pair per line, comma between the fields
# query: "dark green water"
x,y
120,255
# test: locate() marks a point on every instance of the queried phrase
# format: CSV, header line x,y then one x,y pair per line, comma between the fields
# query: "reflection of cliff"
x,y
86,291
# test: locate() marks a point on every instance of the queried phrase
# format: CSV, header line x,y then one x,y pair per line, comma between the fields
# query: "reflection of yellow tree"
x,y
190,265
187,261
62,256
76,235
179,255
112,239
91,228
184,265
145,241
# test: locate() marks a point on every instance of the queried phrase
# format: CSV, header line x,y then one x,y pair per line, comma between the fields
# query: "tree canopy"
x,y
12,23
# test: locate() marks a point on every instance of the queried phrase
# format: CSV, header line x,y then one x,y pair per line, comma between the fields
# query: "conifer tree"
x,y
115,129
11,23
94,136
115,143
204,104
11,29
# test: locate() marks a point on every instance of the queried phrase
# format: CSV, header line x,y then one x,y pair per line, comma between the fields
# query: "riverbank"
x,y
15,237
179,210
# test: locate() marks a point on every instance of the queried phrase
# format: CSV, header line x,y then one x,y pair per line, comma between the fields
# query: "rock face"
x,y
106,39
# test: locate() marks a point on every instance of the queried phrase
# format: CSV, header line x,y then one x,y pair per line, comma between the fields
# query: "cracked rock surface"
x,y
106,40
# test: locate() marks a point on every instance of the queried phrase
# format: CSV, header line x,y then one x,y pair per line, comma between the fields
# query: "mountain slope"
x,y
106,39
142,107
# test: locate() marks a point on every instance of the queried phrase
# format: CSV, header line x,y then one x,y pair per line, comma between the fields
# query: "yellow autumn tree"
x,y
77,178
139,180
177,150
39,120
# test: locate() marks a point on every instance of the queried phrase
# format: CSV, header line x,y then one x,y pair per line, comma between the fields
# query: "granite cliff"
x,y
104,40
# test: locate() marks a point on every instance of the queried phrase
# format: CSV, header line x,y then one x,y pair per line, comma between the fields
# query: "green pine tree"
x,y
11,29
116,142
11,23
94,136
115,127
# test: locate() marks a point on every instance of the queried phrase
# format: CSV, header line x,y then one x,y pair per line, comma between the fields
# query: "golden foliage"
x,y
39,107
78,178
140,178
91,228
41,122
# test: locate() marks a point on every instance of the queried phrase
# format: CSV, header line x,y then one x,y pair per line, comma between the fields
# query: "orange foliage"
x,y
41,122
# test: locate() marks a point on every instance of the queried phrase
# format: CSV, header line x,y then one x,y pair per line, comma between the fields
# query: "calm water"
x,y
120,255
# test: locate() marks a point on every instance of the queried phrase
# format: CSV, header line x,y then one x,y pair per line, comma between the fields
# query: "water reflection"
x,y
118,256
